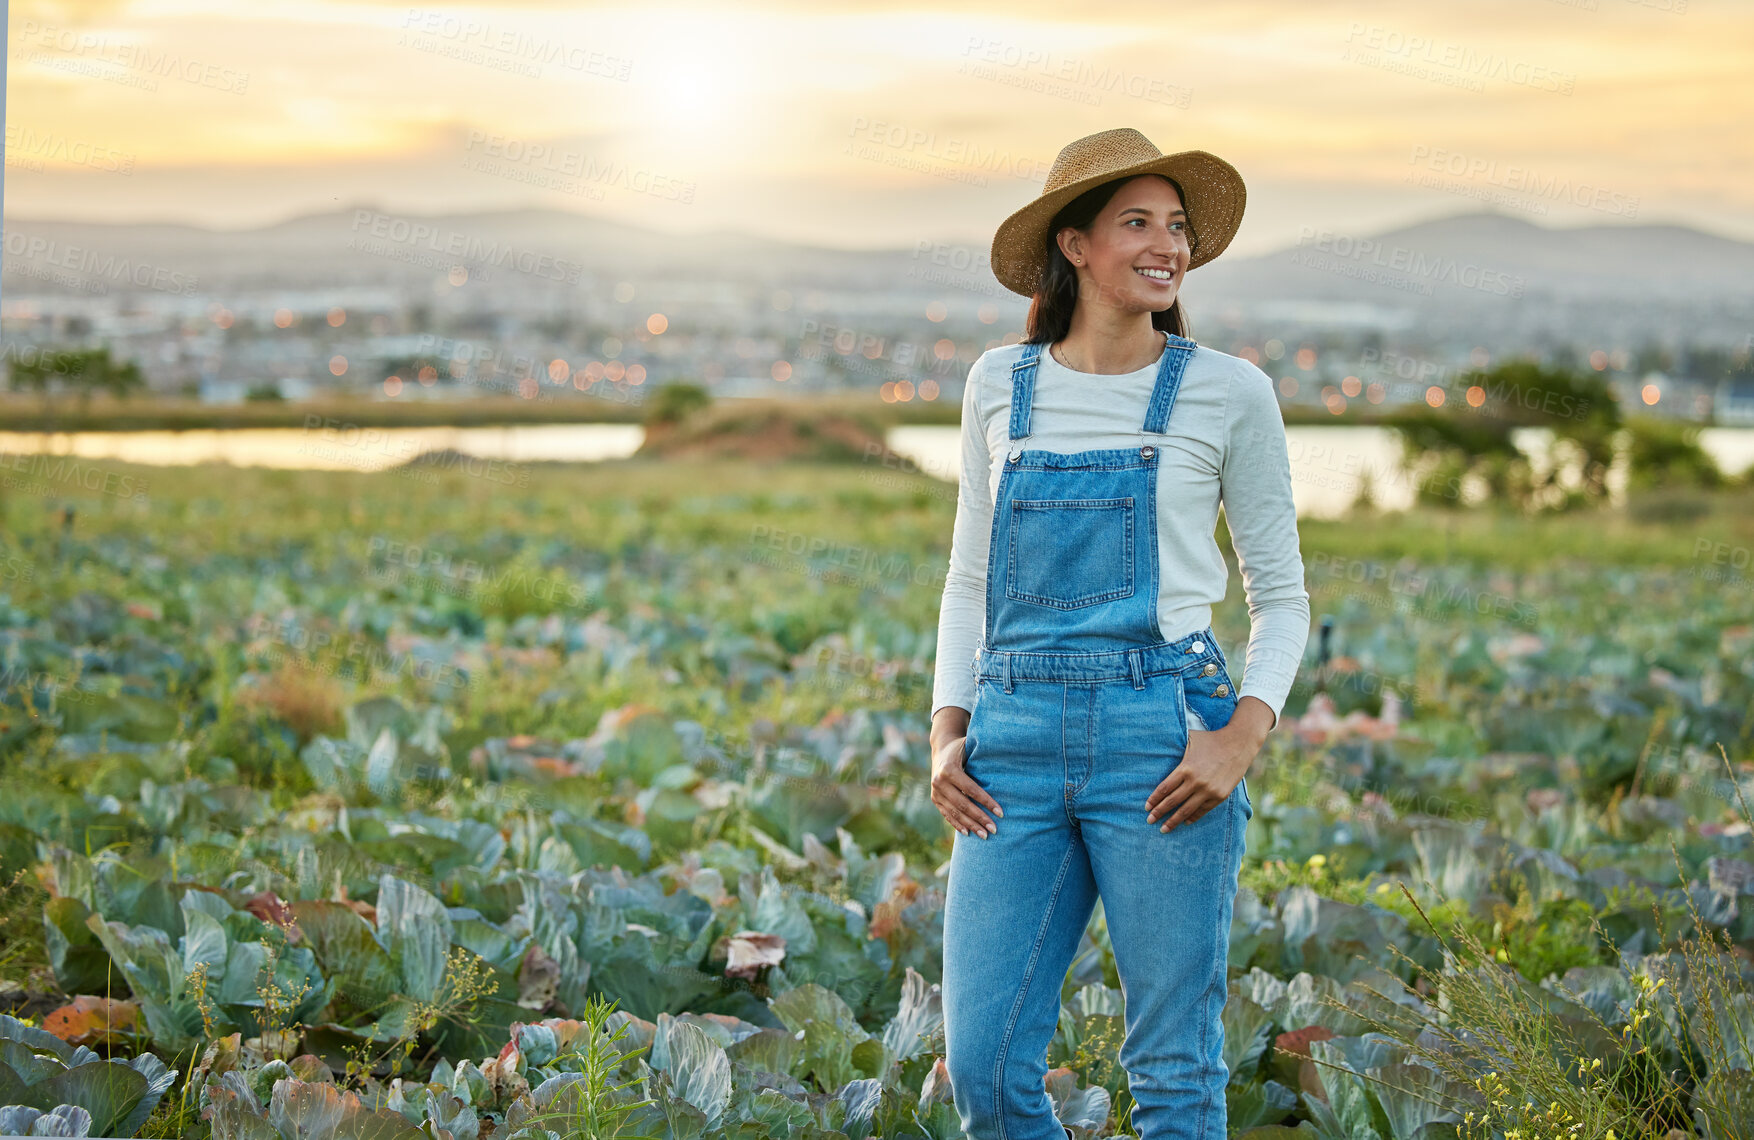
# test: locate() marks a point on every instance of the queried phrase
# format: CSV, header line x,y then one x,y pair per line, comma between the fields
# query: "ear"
x,y
1069,241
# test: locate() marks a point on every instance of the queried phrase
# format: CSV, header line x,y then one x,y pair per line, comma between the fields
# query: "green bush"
x,y
1662,453
674,403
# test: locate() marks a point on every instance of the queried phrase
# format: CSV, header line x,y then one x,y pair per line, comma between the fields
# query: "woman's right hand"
x,y
954,792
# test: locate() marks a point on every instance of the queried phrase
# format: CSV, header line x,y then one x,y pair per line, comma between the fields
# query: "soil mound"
x,y
767,433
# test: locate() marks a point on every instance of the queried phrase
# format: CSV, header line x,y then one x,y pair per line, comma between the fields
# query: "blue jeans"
x,y
1071,761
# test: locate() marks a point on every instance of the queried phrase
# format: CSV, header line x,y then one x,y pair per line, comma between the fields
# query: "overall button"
x,y
1145,451
1209,670
1197,647
1015,455
1221,690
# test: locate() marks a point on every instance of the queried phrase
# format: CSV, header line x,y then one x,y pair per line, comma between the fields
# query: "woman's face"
x,y
1143,228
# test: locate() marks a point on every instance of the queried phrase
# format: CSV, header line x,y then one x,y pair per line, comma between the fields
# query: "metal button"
x,y
1221,690
1209,669
1197,647
1015,455
1145,451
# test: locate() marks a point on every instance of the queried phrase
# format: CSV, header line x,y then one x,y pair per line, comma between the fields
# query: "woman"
x,y
1093,744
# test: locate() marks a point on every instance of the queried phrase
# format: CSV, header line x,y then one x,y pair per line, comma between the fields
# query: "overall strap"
x,y
1176,355
1023,390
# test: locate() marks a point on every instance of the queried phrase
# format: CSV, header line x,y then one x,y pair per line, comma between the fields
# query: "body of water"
x,y
334,449
1328,464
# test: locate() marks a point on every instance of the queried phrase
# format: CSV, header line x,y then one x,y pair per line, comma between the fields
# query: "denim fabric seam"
x,y
1152,622
1065,761
1089,740
1221,946
1004,1051
992,553
1123,666
1094,459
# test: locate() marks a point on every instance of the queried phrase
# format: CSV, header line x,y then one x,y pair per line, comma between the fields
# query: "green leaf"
x,y
306,1109
349,952
859,1101
700,1073
917,1020
204,941
770,1050
155,973
1413,1096
829,1032
776,910
39,1040
159,1079
108,1090
1246,1033
81,966
777,1113
27,1066
1249,1105
868,1057
13,1089
242,974
416,928
1081,1108
1349,1106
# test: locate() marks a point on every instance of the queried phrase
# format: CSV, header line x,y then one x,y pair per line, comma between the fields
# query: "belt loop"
x,y
1133,656
1007,672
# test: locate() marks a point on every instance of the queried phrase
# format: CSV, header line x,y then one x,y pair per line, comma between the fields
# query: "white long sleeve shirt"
x,y
1224,443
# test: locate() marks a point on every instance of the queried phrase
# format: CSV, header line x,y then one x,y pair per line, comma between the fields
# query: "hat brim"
x,y
1214,198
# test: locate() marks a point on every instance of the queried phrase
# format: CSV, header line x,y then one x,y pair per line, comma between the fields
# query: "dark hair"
x,y
1050,312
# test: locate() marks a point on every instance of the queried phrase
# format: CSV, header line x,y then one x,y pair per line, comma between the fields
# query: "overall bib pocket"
x,y
1070,553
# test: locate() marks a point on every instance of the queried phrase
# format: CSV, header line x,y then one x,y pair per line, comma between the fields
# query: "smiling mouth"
x,y
1161,276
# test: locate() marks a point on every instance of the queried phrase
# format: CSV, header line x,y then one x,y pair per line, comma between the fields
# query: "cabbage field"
x,y
540,801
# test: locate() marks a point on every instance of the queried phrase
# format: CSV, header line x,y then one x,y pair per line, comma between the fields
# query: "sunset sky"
x,y
873,124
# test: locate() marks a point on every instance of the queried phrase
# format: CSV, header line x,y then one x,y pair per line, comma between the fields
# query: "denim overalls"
x,y
1080,710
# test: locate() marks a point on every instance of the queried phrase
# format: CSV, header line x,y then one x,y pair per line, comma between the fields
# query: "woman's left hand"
x,y
1214,763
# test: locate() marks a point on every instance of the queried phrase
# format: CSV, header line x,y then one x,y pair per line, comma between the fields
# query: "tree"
x,y
674,403
1661,453
84,370
1473,438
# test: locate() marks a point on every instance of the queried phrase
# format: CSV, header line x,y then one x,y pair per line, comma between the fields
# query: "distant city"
x,y
555,306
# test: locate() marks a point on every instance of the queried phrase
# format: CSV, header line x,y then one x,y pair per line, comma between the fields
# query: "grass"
x,y
1531,1074
24,957
666,548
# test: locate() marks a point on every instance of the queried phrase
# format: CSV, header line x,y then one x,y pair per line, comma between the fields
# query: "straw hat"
x,y
1213,192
